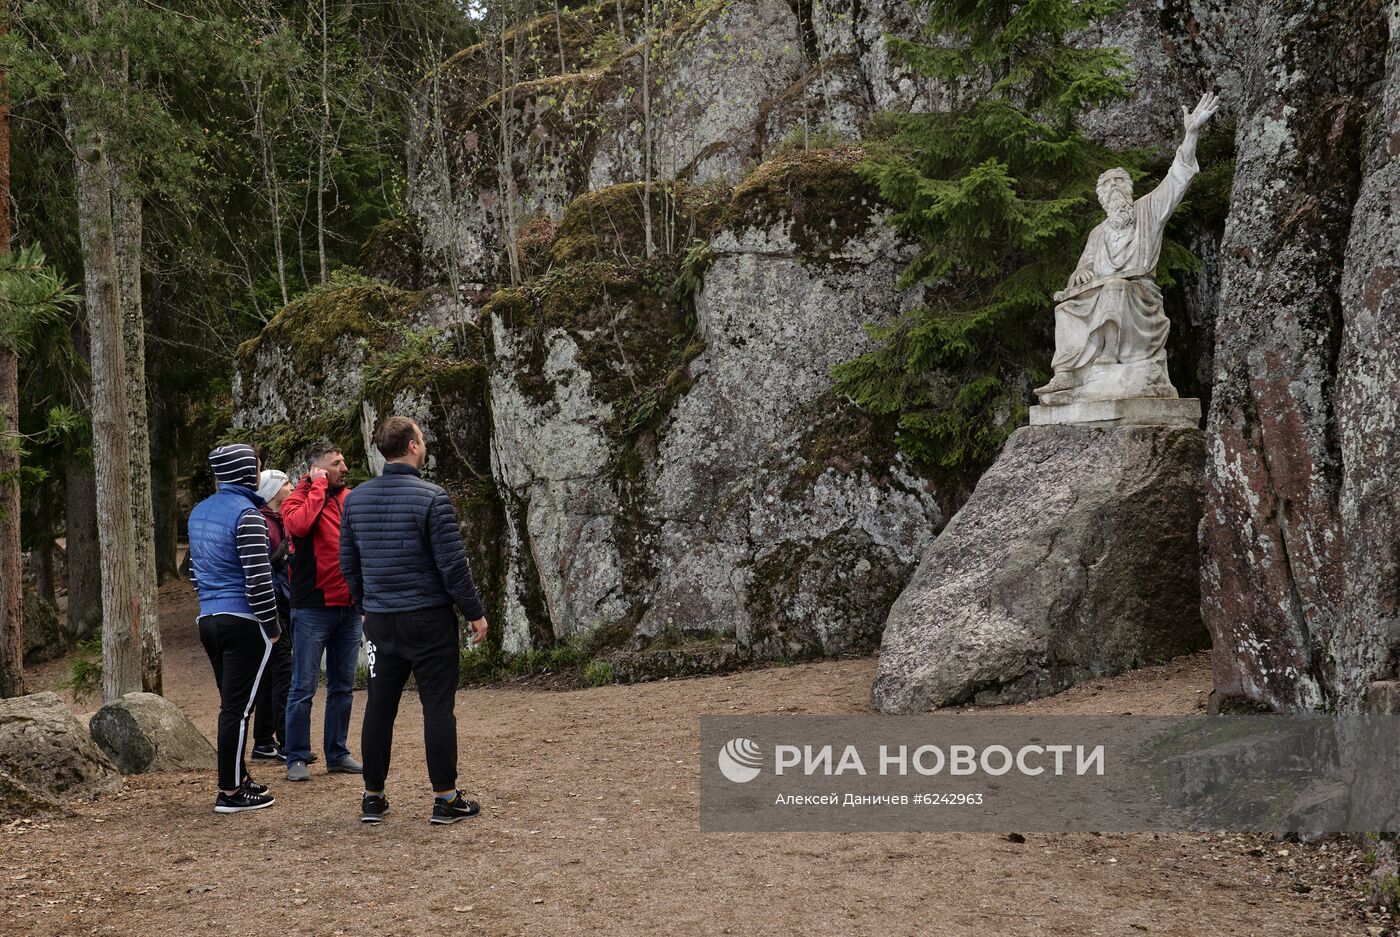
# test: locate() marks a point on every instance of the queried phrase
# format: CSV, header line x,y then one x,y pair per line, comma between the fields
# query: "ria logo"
x,y
739,760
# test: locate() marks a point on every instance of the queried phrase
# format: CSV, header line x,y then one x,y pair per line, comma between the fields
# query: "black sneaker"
x,y
253,787
373,807
268,753
243,800
450,811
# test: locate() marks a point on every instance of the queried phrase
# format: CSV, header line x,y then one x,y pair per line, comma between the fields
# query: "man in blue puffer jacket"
x,y
402,555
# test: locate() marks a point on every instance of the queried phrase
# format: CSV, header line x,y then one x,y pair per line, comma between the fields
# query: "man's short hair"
x,y
394,435
1108,180
319,449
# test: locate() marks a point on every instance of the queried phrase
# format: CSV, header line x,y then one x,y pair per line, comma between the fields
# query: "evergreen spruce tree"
x,y
999,191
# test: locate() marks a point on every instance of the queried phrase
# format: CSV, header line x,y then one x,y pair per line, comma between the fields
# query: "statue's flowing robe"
x,y
1119,318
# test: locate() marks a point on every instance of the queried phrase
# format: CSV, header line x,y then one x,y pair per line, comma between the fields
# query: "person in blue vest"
x,y
237,610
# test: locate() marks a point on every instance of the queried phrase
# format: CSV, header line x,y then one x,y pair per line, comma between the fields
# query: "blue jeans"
x,y
336,631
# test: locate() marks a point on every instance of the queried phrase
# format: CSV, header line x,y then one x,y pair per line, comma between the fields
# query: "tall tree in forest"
x,y
31,296
127,230
11,576
97,66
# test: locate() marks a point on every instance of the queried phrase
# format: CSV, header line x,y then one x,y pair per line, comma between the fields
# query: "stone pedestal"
x,y
1133,411
1075,558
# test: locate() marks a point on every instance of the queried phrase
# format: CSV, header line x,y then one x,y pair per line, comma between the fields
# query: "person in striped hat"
x,y
238,622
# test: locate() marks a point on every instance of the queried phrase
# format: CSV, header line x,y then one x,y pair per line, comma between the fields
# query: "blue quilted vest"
x,y
218,572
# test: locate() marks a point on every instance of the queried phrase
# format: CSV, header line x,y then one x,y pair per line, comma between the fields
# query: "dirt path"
x,y
590,826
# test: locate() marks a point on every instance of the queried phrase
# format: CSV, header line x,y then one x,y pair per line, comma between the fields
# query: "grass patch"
x,y
572,660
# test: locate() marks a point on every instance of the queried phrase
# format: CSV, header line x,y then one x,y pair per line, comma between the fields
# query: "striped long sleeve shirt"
x,y
257,571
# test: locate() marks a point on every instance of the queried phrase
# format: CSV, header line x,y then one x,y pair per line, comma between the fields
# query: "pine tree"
x,y
999,192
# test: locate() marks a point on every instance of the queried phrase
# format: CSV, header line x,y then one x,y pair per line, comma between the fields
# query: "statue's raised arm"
x,y
1169,192
1110,331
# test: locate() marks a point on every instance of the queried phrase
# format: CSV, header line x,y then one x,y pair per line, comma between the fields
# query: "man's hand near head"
x,y
315,472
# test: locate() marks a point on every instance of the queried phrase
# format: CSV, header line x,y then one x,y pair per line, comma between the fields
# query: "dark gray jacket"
x,y
401,549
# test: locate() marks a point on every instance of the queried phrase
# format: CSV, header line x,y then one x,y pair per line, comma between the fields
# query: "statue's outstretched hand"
x,y
1205,110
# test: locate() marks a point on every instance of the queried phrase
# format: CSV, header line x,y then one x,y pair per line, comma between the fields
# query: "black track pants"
x,y
270,716
239,650
422,643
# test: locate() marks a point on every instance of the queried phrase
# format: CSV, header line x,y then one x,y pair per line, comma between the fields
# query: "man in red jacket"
x,y
324,620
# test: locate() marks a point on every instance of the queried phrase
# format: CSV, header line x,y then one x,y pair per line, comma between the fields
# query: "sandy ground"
x,y
590,826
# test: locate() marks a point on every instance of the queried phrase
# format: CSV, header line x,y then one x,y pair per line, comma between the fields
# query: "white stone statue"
x,y
1110,331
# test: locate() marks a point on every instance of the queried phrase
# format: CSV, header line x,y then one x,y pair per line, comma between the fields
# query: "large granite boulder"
x,y
144,732
46,748
1075,558
18,799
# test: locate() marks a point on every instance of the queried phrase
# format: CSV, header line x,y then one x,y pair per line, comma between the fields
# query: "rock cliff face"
x,y
1299,568
674,473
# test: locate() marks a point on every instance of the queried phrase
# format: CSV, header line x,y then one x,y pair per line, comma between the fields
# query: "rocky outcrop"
x,y
143,732
1281,552
672,473
668,464
1076,557
45,748
776,515
1365,640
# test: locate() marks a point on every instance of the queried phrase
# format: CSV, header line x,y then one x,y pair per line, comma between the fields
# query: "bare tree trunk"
x,y
506,159
11,576
127,238
82,560
274,187
559,36
646,128
41,563
321,146
83,563
121,595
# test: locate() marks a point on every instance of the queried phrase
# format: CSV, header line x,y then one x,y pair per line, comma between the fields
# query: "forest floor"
x,y
589,826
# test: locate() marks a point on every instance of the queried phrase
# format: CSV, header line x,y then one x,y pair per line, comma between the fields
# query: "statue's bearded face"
x,y
1117,199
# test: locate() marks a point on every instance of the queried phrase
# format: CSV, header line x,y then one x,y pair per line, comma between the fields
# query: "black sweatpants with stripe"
x,y
239,650
425,644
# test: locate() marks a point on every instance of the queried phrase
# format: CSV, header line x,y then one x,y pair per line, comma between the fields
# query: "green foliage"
x,y
999,192
84,679
488,663
598,673
32,295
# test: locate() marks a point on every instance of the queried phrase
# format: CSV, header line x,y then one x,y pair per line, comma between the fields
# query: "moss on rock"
x,y
611,223
311,326
634,336
818,191
283,445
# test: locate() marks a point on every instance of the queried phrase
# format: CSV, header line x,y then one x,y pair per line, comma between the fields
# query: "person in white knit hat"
x,y
269,719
